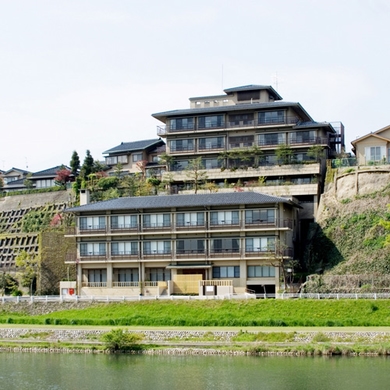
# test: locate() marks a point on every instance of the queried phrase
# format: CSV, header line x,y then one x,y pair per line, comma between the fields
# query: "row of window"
x,y
124,275
187,246
211,121
210,143
182,219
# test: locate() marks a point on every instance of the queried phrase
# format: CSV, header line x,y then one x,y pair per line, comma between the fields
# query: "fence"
x,y
84,298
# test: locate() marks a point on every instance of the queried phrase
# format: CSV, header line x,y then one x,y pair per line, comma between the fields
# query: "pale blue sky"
x,y
88,74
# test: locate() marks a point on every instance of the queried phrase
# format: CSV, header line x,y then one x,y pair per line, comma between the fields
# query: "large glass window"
x,y
97,275
179,145
272,139
92,223
260,216
124,221
270,117
224,217
190,219
189,246
211,163
124,248
211,143
241,119
180,165
260,244
92,249
123,275
156,220
261,271
156,247
206,122
302,137
181,123
219,245
226,272
157,274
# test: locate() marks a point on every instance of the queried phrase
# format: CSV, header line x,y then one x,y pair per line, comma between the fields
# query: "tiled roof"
x,y
52,172
238,107
17,170
135,145
193,200
253,87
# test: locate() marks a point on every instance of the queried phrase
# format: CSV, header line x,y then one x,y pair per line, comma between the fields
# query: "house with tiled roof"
x,y
373,148
136,157
14,178
203,244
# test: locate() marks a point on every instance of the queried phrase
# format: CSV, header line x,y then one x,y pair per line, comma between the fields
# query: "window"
x,y
111,160
241,119
156,220
126,275
156,247
92,249
248,95
189,246
157,274
181,123
92,223
226,272
124,248
124,221
122,159
97,275
375,153
269,117
260,216
206,122
260,244
261,271
271,139
302,137
137,157
211,143
224,218
211,163
180,165
190,219
241,141
179,145
219,245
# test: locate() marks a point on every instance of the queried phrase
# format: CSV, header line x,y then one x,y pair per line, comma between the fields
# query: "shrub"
x,y
120,340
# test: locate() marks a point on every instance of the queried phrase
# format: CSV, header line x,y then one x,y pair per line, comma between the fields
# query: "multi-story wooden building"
x,y
204,243
249,137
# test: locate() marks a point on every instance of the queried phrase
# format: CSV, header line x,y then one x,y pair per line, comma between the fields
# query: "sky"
x,y
80,75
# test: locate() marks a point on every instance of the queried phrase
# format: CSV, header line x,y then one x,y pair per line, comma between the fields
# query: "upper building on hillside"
x,y
373,148
136,156
250,137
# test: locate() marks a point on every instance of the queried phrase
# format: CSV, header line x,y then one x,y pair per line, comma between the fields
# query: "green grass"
x,y
229,313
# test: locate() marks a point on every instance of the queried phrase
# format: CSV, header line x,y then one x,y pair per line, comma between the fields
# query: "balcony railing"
x,y
125,284
94,284
289,120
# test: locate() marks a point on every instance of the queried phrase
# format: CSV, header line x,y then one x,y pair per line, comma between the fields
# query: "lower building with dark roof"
x,y
203,244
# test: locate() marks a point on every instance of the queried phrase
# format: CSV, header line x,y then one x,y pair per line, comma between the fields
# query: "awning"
x,y
188,266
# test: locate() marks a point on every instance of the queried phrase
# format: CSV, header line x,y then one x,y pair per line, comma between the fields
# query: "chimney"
x,y
84,197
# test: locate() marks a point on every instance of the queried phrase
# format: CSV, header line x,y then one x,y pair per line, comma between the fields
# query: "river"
x,y
83,372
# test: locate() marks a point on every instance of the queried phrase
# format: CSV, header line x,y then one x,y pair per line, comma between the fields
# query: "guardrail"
x,y
247,295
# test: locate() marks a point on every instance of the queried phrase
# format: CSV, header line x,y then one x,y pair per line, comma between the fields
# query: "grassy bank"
x,y
230,313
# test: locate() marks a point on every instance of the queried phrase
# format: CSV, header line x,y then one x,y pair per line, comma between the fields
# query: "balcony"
x,y
125,255
94,284
124,228
190,226
94,229
191,254
225,253
224,224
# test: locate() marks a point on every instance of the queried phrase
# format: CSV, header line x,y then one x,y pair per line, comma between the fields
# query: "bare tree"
x,y
196,173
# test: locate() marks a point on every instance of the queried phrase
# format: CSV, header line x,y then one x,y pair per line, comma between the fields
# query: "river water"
x,y
82,371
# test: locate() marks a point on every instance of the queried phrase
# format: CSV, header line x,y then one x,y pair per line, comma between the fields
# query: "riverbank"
x,y
286,342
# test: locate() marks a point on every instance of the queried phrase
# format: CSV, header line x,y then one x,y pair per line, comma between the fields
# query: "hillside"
x,y
349,236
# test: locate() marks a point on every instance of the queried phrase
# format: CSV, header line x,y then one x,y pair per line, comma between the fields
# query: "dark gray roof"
x,y
313,124
254,87
50,172
168,201
135,145
162,116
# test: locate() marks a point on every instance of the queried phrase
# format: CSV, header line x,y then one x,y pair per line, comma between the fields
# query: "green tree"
x,y
27,182
121,340
88,166
196,174
28,264
317,152
284,154
75,163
